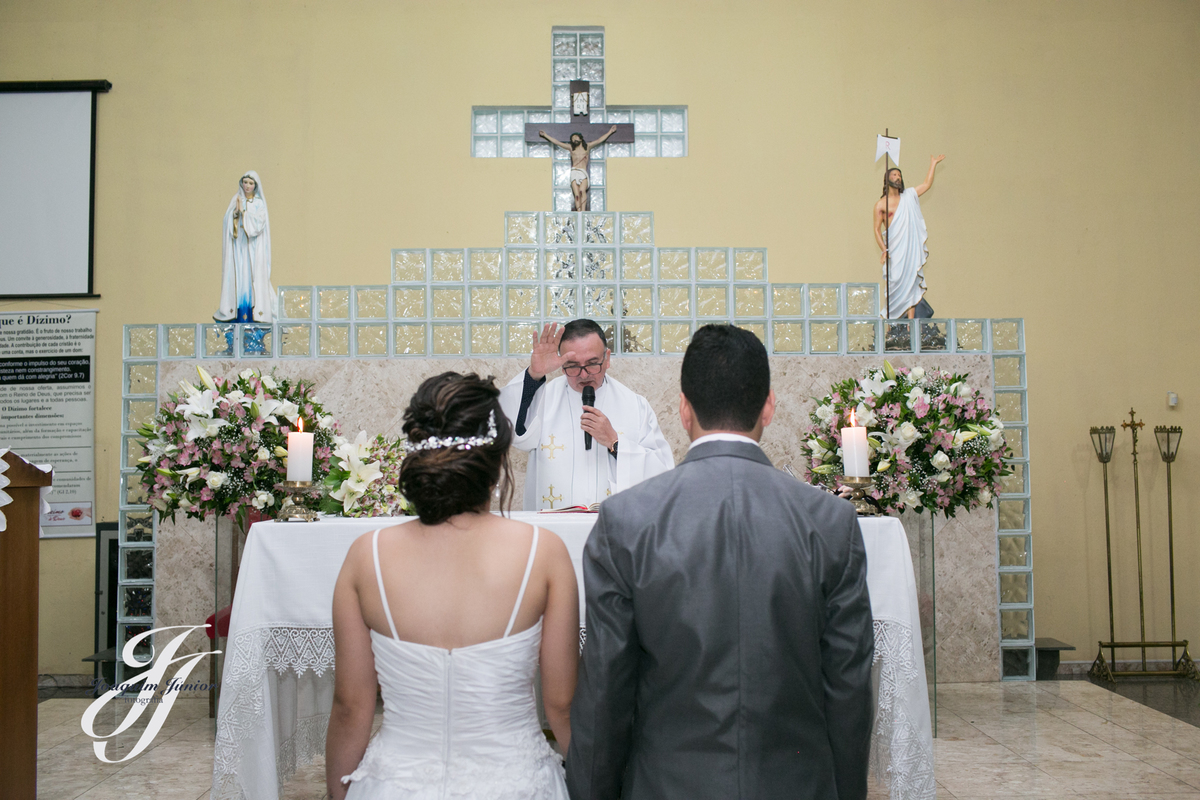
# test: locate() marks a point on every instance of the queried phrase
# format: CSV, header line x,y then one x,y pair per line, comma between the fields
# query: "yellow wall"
x,y
1064,199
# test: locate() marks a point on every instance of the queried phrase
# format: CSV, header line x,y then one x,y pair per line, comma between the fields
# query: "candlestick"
x,y
855,453
300,455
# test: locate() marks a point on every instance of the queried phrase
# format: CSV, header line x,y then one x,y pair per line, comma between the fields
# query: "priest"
x,y
580,452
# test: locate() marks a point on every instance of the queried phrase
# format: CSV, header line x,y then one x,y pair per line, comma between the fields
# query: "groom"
x,y
729,635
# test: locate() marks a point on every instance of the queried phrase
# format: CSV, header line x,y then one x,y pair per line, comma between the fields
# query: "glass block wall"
x,y
578,54
555,267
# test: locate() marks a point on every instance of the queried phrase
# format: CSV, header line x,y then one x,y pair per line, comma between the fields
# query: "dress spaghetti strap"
x,y
524,582
379,577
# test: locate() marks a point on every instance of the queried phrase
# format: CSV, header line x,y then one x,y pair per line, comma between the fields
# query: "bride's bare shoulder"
x,y
363,546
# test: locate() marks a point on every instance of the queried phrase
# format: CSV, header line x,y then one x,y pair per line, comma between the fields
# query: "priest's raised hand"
x,y
550,420
546,358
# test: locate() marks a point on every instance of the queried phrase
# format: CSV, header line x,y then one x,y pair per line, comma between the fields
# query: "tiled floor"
x,y
996,740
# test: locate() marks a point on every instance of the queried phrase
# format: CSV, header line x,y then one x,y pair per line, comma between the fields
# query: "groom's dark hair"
x,y
726,378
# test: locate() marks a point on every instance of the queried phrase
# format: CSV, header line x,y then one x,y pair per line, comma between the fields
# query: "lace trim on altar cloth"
x,y
526,771
901,755
250,655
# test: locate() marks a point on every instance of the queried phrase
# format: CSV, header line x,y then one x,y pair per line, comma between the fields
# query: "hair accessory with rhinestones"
x,y
458,442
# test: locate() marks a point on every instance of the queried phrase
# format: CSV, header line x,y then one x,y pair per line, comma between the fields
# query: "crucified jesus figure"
x,y
581,157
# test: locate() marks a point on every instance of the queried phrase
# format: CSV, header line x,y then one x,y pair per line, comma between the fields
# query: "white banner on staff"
x,y
48,408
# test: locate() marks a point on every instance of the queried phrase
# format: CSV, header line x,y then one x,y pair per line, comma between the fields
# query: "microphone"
x,y
589,399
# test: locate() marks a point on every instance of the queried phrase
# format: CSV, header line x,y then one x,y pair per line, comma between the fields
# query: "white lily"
x,y
362,475
961,437
883,466
280,452
874,385
246,374
191,473
201,404
267,406
352,452
188,389
156,448
203,428
206,379
347,495
914,394
817,450
238,396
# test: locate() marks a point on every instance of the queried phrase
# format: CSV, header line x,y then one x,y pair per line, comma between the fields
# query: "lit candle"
x,y
300,454
855,455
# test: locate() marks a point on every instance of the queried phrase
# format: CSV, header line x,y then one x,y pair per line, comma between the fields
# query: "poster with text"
x,y
47,408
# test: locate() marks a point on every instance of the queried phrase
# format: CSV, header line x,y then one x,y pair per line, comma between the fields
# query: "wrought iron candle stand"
x,y
1102,439
1168,446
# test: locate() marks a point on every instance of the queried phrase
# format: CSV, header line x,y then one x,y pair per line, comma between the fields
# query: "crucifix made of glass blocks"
x,y
578,103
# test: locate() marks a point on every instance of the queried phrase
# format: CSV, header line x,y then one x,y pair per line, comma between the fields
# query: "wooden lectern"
x,y
19,627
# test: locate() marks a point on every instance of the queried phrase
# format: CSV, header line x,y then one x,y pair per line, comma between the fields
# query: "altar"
x,y
277,689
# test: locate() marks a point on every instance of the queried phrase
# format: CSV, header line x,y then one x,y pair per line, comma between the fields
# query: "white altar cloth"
x,y
277,687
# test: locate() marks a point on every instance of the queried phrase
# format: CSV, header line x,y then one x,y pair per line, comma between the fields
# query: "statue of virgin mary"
x,y
246,291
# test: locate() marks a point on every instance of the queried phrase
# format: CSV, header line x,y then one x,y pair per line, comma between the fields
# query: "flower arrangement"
x,y
934,442
363,478
221,447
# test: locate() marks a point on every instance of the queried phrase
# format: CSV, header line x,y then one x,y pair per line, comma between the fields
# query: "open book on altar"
x,y
594,508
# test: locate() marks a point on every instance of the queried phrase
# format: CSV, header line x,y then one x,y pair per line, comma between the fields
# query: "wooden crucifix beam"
x,y
591,131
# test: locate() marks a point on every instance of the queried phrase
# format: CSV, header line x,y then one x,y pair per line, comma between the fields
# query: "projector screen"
x,y
47,157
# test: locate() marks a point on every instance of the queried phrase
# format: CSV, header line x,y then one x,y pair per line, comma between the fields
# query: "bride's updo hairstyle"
x,y
446,480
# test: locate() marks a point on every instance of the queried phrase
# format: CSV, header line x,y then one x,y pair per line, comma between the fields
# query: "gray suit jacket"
x,y
729,639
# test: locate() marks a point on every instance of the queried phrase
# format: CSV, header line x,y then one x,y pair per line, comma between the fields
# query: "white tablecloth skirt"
x,y
277,687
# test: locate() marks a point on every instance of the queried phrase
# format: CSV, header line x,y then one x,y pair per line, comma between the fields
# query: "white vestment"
x,y
561,471
905,239
246,291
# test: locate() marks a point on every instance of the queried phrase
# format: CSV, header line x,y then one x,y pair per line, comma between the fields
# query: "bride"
x,y
451,615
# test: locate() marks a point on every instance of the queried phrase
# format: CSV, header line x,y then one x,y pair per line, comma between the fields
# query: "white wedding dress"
x,y
458,723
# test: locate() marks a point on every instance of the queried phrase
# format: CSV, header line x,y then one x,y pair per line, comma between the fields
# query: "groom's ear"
x,y
768,411
686,415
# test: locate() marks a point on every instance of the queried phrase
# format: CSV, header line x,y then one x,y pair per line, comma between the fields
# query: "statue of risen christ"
x,y
581,158
898,216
